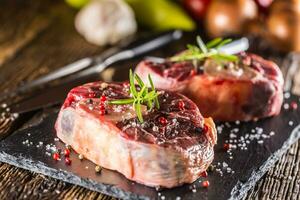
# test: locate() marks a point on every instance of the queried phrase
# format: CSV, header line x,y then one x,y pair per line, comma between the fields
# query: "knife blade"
x,y
107,58
233,47
50,96
57,93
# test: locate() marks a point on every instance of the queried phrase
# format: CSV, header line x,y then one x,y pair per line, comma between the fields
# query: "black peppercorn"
x,y
199,129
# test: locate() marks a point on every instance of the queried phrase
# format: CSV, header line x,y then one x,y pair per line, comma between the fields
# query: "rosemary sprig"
x,y
139,97
208,50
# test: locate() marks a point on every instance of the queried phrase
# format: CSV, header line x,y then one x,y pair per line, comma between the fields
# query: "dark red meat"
x,y
173,145
249,90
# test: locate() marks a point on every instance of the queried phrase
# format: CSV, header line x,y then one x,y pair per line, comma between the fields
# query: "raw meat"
x,y
248,90
173,145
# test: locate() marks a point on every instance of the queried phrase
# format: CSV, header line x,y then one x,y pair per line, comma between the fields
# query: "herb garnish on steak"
x,y
225,87
172,146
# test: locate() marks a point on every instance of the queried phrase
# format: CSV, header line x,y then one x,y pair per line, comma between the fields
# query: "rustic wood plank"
x,y
14,37
23,56
275,185
283,181
42,55
24,48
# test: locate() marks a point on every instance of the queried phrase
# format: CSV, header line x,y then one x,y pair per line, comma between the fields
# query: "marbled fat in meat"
x,y
150,153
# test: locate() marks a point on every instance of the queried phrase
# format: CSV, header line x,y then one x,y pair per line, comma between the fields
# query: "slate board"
x,y
248,165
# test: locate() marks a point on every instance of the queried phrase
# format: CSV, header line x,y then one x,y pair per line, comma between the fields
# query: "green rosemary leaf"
x,y
149,98
226,41
177,58
201,44
121,101
213,43
137,107
149,103
218,59
141,92
209,50
156,103
192,49
228,57
150,95
191,57
153,89
139,80
139,97
141,83
132,85
151,82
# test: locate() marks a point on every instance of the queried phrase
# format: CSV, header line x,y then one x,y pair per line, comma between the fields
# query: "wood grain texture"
x,y
283,181
43,54
13,38
37,37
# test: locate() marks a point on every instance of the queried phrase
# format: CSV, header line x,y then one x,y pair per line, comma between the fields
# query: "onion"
x,y
227,17
283,25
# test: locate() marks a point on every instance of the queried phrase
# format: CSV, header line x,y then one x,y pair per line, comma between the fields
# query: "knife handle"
x,y
144,47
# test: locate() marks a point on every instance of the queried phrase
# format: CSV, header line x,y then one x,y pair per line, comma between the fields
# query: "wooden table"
x,y
39,36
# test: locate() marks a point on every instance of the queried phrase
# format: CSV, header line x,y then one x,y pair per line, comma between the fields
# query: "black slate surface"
x,y
249,165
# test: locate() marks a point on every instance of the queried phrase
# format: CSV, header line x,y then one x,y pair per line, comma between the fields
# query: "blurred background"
x,y
38,37
67,30
109,21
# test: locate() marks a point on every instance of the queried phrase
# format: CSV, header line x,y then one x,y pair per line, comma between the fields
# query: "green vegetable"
x,y
77,3
161,15
141,97
209,50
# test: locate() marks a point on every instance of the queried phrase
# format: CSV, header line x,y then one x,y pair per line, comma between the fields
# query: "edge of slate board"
x,y
239,191
67,177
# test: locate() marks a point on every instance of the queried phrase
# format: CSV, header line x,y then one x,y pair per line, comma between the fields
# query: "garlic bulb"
x,y
104,22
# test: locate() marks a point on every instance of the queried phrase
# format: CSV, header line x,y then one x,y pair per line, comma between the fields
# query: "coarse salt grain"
x,y
219,129
287,95
133,124
286,106
155,128
224,164
4,105
15,115
104,85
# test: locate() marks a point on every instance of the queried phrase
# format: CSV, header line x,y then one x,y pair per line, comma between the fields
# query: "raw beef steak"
x,y
247,90
173,145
